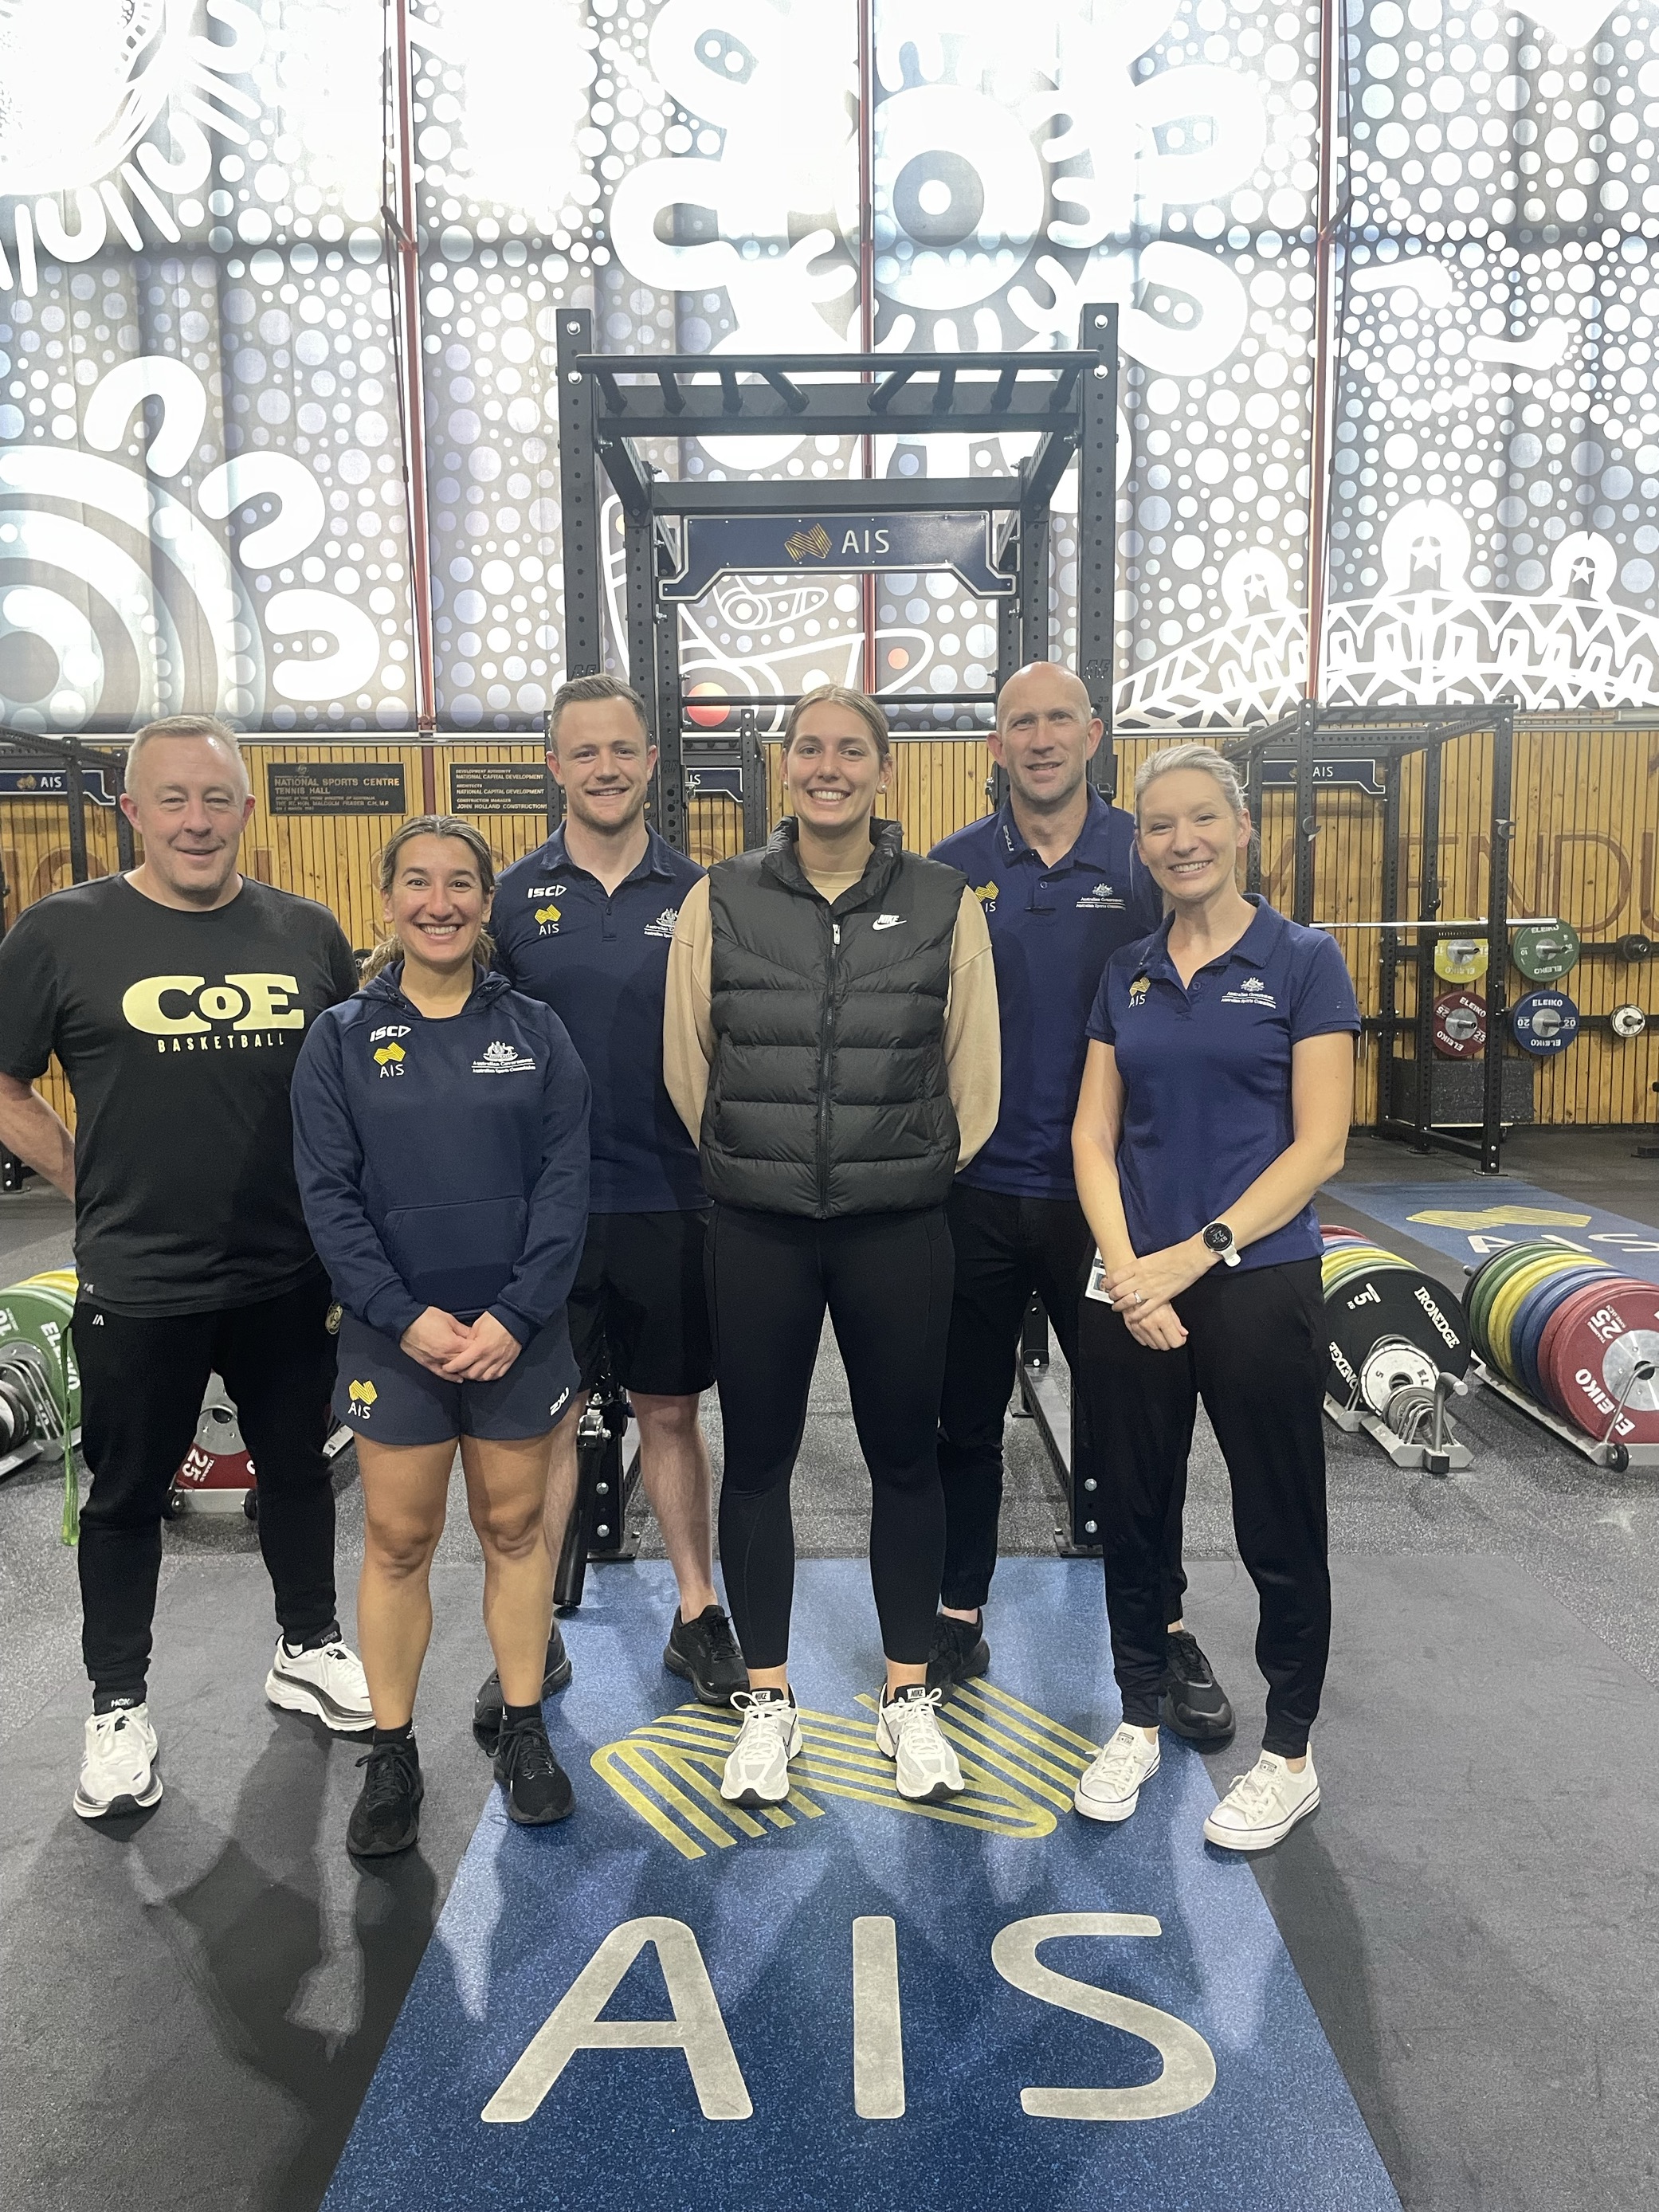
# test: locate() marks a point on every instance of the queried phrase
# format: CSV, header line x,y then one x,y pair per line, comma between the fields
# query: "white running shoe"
x,y
757,1766
118,1769
326,1682
1263,1806
1110,1789
907,1733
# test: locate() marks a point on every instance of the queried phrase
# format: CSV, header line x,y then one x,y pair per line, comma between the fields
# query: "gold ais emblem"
x,y
547,914
1019,1766
388,1052
1139,989
985,893
362,1394
815,541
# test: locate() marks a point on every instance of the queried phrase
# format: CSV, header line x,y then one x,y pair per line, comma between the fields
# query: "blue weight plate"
x,y
1528,1328
1544,1022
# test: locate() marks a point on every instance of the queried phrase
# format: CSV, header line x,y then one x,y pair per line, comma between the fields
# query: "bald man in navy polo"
x,y
1057,872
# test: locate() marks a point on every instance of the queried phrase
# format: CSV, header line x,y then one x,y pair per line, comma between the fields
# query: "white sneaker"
x,y
1110,1789
1263,1806
907,1733
327,1682
117,1768
758,1767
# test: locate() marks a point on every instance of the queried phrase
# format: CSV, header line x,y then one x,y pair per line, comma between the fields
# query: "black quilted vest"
x,y
827,1094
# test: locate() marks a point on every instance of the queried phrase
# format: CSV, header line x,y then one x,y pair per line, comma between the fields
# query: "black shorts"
x,y
382,1394
639,1294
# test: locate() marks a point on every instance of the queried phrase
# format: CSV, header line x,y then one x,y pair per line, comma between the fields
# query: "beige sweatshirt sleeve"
x,y
973,1035
688,1033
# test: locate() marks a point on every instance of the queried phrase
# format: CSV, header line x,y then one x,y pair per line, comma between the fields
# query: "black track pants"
x,y
1256,1352
142,1381
1007,1248
885,1279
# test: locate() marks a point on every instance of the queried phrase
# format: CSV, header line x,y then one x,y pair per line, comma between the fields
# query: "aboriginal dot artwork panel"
x,y
203,453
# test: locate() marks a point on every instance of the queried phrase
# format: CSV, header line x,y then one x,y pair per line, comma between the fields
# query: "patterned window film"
x,y
204,358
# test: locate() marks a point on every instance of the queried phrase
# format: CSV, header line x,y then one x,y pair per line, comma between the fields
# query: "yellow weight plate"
x,y
1459,959
1507,1302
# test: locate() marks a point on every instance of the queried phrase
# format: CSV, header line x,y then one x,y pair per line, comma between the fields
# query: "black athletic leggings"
x,y
885,1279
1257,1354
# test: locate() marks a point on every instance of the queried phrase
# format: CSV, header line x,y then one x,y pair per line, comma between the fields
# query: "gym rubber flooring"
x,y
196,2001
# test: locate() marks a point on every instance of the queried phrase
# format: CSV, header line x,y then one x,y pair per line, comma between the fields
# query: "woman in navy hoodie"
x,y
440,1139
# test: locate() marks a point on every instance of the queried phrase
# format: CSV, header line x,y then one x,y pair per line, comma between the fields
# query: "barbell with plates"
x,y
1461,959
1392,1329
1627,1021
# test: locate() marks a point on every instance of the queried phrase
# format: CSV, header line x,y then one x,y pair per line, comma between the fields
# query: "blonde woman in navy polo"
x,y
1215,1102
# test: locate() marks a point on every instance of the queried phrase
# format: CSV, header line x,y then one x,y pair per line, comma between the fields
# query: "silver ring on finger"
x,y
1139,1301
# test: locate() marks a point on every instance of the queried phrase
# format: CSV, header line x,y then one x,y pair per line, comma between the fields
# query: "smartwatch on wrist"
x,y
1219,1239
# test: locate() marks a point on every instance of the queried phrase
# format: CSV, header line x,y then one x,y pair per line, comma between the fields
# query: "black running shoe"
x,y
487,1705
538,1787
704,1652
959,1651
1195,1703
387,1817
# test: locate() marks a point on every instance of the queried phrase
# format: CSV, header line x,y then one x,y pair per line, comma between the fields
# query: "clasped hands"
x,y
460,1351
1140,1292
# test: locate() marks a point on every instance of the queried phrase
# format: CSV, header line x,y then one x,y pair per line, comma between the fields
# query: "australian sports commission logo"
x,y
1019,1768
1253,992
504,1059
663,924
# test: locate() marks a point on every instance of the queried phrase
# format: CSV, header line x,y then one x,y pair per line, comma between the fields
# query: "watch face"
x,y
1217,1236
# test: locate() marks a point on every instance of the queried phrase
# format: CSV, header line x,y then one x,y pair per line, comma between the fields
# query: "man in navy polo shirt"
x,y
584,925
1062,888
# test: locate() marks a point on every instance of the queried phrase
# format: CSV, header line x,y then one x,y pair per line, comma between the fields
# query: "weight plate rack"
x,y
1574,1344
1399,1350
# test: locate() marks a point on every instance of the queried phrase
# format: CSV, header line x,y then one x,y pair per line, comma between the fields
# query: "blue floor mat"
x,y
1469,1221
750,1926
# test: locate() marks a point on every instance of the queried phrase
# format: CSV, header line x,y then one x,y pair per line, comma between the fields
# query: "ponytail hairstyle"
x,y
433,825
1206,760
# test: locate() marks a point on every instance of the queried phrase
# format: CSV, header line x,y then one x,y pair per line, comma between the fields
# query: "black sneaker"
x,y
959,1651
1195,1703
487,1705
538,1787
704,1652
387,1817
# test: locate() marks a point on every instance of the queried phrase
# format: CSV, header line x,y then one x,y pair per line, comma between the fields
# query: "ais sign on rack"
x,y
829,544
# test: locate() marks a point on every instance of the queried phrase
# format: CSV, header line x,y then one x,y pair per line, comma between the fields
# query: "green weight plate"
x,y
1543,951
37,1312
1491,1281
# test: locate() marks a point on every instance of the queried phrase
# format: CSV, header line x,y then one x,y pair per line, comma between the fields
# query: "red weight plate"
x,y
1553,1326
1460,1025
1598,1342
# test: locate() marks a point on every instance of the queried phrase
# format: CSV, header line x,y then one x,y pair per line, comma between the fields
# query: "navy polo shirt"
x,y
1206,1074
601,963
1053,930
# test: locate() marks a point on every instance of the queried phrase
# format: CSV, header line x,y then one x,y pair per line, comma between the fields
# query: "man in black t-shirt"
x,y
176,999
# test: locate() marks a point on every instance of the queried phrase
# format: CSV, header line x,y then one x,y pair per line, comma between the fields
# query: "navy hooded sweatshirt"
x,y
443,1162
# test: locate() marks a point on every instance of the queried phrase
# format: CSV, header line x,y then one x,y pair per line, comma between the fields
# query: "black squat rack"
x,y
634,415
1323,747
34,764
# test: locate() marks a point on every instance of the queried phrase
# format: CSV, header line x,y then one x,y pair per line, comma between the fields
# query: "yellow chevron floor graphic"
x,y
1019,1767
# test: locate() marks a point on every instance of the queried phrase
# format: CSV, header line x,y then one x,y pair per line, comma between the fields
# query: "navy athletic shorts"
x,y
639,1296
382,1394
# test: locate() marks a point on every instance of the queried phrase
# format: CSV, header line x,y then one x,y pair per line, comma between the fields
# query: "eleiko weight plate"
x,y
1634,946
1526,1330
1627,1021
1543,951
37,1312
1460,1025
1593,1355
1395,1365
1508,1300
1461,959
1570,1301
1544,1022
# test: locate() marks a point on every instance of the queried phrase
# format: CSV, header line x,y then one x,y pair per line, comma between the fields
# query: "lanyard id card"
x,y
1096,1285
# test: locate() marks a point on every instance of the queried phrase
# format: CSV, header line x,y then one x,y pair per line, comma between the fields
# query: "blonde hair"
x,y
385,874
856,703
208,727
1205,759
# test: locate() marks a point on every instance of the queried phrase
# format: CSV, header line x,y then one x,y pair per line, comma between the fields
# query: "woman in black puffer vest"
x,y
831,1039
